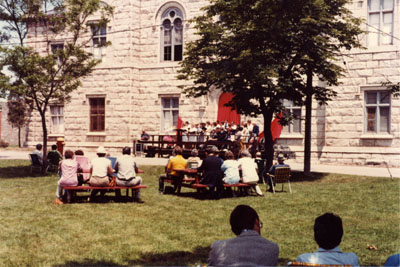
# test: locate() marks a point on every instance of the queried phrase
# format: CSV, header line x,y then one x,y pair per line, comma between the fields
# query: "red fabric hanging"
x,y
226,113
276,129
179,123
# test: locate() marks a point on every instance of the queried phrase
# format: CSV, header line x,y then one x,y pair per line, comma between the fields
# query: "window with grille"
x,y
295,111
170,113
377,112
57,119
380,22
172,35
97,114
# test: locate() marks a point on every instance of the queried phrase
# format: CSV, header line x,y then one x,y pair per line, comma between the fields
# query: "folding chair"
x,y
36,165
282,175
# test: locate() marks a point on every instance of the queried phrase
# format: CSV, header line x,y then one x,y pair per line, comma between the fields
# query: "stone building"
x,y
135,87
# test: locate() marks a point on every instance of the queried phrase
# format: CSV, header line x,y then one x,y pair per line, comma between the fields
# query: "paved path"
x,y
343,169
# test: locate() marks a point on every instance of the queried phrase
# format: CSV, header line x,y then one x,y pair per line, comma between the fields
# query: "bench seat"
x,y
88,187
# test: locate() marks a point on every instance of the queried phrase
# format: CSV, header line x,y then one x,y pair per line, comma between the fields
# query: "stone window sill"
x,y
377,136
96,134
55,135
291,136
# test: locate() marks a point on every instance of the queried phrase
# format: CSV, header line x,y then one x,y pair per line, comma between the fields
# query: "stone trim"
x,y
377,136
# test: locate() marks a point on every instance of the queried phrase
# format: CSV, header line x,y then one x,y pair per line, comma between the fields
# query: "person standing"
x,y
249,247
126,168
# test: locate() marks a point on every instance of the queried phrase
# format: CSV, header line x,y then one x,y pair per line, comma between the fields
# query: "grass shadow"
x,y
297,176
174,258
19,172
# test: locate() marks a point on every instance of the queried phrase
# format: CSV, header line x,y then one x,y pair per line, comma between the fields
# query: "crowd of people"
x,y
101,173
219,131
216,170
249,248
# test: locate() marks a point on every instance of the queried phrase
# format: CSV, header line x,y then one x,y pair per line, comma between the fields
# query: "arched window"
x,y
171,35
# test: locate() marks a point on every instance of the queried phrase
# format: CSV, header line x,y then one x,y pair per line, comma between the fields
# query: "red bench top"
x,y
86,187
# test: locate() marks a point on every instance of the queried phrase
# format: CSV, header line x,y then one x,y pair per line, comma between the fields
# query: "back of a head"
x,y
54,147
68,154
194,153
229,155
39,146
79,152
178,150
243,217
126,151
245,153
328,230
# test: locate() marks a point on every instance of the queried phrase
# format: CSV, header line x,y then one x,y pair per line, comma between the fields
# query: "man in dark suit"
x,y
249,247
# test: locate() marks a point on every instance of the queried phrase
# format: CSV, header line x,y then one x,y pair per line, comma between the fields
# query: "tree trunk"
x,y
44,128
19,136
307,133
268,144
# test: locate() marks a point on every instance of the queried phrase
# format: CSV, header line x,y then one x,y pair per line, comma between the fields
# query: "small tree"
x,y
50,75
17,115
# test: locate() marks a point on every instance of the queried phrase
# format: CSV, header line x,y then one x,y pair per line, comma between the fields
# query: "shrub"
x,y
3,144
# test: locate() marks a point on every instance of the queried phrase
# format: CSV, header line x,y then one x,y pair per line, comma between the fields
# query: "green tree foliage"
x,y
44,76
264,51
16,115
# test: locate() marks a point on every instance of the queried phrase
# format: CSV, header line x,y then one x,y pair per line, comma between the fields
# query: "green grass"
x,y
171,230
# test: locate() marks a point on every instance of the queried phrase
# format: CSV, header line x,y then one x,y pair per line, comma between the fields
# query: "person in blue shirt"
x,y
393,260
328,233
281,163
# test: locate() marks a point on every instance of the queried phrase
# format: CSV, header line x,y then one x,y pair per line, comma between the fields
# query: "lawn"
x,y
171,230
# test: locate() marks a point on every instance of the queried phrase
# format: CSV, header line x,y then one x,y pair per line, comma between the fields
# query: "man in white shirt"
x,y
126,168
328,232
38,152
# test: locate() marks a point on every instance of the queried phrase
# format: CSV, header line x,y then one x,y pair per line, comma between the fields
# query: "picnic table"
x,y
194,181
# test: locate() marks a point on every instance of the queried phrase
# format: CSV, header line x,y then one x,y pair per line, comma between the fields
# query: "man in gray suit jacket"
x,y
249,247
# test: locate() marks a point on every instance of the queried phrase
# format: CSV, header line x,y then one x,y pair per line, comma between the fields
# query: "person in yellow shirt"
x,y
174,163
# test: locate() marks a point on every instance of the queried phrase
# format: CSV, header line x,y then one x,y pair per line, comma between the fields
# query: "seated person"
x,y
281,163
144,136
174,163
328,232
126,168
68,169
194,161
230,167
54,156
393,260
38,152
100,172
211,169
249,248
249,171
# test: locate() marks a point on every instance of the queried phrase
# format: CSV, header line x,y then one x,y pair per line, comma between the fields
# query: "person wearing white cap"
x,y
100,171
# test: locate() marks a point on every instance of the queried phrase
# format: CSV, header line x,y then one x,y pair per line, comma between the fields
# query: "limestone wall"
x,y
133,78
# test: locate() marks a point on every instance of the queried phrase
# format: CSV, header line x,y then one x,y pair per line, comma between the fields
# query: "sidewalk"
x,y
342,169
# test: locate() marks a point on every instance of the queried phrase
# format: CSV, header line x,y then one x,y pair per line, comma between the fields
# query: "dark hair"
x,y
79,152
328,230
39,146
68,154
54,147
126,150
243,217
229,155
178,150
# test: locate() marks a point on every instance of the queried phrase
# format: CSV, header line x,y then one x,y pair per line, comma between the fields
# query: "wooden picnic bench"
x,y
194,182
86,188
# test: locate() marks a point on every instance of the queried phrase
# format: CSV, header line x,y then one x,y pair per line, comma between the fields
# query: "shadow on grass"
x,y
174,258
19,172
297,176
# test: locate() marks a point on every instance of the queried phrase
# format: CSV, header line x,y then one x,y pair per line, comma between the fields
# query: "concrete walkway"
x,y
343,169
